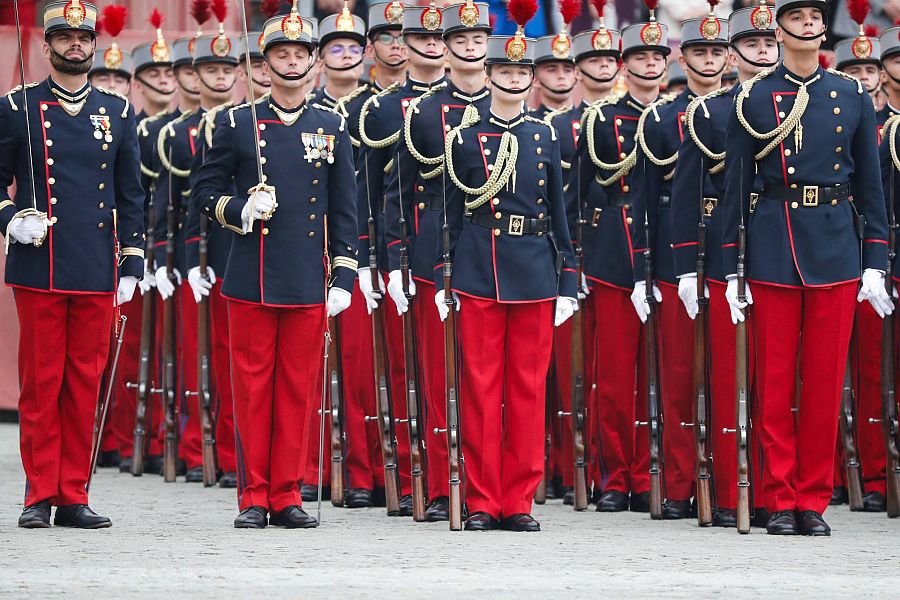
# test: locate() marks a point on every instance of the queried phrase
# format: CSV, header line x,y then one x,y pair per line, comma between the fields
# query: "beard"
x,y
69,66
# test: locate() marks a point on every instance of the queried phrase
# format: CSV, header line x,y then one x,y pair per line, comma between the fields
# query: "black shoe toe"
x,y
839,496
810,522
253,517
640,502
36,516
520,522
725,517
438,510
359,498
481,521
125,465
874,502
676,509
612,501
194,475
228,480
293,517
79,516
782,522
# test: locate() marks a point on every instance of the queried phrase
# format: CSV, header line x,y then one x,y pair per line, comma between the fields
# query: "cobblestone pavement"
x,y
176,540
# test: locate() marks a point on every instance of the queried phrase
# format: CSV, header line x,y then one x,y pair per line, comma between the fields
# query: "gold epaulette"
x,y
328,110
344,100
208,122
890,131
555,113
588,118
848,77
18,88
232,110
167,132
373,101
652,108
142,125
545,124
690,114
117,95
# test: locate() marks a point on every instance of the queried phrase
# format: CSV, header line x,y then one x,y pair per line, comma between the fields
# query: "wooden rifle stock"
x,y
385,416
454,431
577,374
742,395
336,402
701,398
170,444
204,396
654,423
847,423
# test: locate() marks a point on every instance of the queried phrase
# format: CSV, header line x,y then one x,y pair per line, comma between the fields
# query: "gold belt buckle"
x,y
754,198
595,218
810,195
516,225
709,204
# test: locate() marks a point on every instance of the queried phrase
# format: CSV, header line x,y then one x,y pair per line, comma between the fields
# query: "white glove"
x,y
872,289
147,282
736,306
126,289
338,301
163,285
565,308
583,290
259,205
443,311
395,289
687,291
639,299
26,230
199,285
372,296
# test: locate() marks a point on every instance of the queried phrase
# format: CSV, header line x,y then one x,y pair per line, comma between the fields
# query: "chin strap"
x,y
761,65
509,91
395,65
74,63
705,75
293,77
600,79
423,55
212,89
804,38
468,60
644,77
349,68
562,91
153,87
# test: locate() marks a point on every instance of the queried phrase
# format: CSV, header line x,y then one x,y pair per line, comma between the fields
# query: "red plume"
x,y
871,31
220,9
522,11
156,19
200,11
858,9
824,61
270,8
599,5
114,19
712,3
651,4
569,9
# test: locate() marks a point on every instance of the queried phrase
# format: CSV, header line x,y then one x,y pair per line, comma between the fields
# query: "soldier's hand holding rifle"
x,y
395,289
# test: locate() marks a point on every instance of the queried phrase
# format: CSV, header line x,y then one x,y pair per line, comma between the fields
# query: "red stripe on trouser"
x,y
362,461
396,371
275,356
676,356
221,376
63,347
190,440
122,417
431,375
866,356
624,449
563,452
799,468
505,355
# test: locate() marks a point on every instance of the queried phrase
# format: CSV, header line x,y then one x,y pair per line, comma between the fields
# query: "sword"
x,y
33,211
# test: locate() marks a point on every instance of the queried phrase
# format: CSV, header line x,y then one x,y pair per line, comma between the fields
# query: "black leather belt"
x,y
512,224
808,195
431,203
617,199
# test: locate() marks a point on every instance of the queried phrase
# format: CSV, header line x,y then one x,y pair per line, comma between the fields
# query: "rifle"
x,y
385,413
103,409
144,384
742,427
454,432
654,420
847,424
203,394
416,445
170,446
701,399
338,436
889,425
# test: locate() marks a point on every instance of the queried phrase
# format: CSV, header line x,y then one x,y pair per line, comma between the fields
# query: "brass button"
x,y
781,115
793,186
834,202
262,143
405,103
540,215
483,138
621,138
622,155
262,160
265,231
102,110
51,180
446,128
787,151
101,205
833,94
318,164
490,167
537,137
540,166
837,110
538,150
446,108
540,200
420,188
487,151
49,142
496,232
778,98
791,170
626,189
53,200
312,234
320,130
498,215
837,167
629,220
54,219
44,107
101,186
104,147
47,124
101,225
619,122
312,217
495,201
50,162
794,205
540,182
103,166
315,182
312,200
626,206
265,178
262,126
839,149
838,129
421,206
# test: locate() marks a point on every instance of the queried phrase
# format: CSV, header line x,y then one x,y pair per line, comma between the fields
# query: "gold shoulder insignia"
x,y
373,101
848,77
232,110
18,88
208,122
652,108
167,132
544,123
117,95
690,115
329,110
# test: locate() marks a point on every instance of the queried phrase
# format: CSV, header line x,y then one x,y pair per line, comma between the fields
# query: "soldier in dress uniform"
x,y
860,55
676,79
812,148
342,39
752,36
600,182
890,71
417,180
554,66
277,285
513,279
75,237
730,78
112,70
381,124
704,56
256,80
215,64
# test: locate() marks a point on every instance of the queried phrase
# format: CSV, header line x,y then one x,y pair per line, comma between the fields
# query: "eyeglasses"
x,y
387,39
341,50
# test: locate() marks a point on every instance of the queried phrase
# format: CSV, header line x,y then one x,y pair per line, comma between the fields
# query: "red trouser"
x,y
221,362
563,452
362,462
190,440
591,435
799,467
505,351
624,450
275,360
396,372
866,358
723,405
676,357
431,376
129,362
63,347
